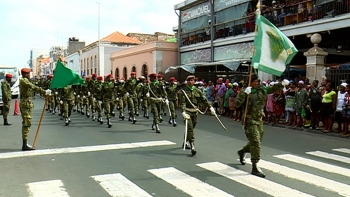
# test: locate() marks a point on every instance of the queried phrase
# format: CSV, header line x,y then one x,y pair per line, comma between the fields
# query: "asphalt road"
x,y
86,159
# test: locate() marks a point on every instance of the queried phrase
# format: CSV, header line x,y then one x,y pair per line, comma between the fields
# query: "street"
x,y
86,159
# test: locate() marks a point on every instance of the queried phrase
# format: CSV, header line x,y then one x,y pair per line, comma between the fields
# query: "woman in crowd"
x,y
328,106
290,104
338,116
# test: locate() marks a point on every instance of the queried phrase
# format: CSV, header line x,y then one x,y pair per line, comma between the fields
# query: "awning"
x,y
321,2
231,64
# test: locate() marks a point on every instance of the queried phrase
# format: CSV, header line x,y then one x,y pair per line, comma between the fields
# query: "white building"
x,y
95,57
34,54
72,62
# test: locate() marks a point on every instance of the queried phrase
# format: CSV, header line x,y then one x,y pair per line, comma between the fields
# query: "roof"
x,y
118,37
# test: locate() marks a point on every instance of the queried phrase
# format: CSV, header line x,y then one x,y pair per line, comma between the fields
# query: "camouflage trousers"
x,y
155,110
132,105
99,105
92,103
172,107
109,106
26,106
191,124
67,107
6,109
254,133
121,104
144,104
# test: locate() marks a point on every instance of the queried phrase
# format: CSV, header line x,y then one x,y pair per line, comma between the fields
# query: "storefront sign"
x,y
196,11
222,4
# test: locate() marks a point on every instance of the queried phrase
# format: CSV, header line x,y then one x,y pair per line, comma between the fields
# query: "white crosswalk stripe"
x,y
340,188
119,186
187,184
249,180
330,156
52,188
315,164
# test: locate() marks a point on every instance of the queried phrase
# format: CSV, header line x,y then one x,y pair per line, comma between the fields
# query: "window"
x,y
116,74
125,74
144,71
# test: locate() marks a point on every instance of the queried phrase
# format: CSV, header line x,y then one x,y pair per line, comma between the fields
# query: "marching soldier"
x,y
91,86
143,97
162,105
171,90
130,87
68,102
26,89
99,99
256,98
108,89
6,97
121,98
192,98
85,97
156,95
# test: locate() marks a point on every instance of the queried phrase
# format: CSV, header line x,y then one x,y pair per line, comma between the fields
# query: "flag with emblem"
x,y
64,76
272,49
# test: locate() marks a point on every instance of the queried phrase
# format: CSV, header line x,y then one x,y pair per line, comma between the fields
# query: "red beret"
x,y
152,75
9,75
25,70
160,75
94,75
172,79
100,78
133,73
109,75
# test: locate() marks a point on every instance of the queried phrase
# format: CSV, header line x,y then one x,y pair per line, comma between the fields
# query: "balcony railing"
x,y
297,11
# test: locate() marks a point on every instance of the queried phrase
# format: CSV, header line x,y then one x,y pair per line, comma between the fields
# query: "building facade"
x,y
34,54
73,62
217,31
95,58
144,59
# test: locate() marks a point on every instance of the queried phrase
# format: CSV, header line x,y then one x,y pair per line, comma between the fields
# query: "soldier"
x,y
91,87
253,125
162,105
6,97
108,96
156,95
171,90
121,98
130,87
68,102
26,105
85,97
99,99
143,97
50,98
192,98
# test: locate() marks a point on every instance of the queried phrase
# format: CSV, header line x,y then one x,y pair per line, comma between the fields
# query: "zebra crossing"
x,y
118,185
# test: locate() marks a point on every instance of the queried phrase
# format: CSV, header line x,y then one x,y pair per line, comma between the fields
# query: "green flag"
x,y
64,76
273,49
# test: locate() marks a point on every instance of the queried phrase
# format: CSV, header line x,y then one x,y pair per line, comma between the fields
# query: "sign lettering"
x,y
196,11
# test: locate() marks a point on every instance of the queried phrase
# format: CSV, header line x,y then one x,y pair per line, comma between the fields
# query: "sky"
x,y
28,24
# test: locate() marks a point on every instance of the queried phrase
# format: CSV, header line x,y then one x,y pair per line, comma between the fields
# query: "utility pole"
x,y
98,55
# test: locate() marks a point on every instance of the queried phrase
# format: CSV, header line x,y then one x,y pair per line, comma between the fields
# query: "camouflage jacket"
x,y
98,91
130,86
156,90
120,90
26,89
67,93
6,91
171,90
108,90
195,96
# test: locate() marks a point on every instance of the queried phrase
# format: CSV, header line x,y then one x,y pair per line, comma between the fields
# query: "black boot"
x,y
152,126
26,147
160,118
134,120
257,171
147,116
241,155
66,121
100,120
6,122
187,146
193,149
109,123
157,128
113,114
170,122
137,114
87,114
174,123
93,117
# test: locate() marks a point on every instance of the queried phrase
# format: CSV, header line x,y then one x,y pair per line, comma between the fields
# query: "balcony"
x,y
285,16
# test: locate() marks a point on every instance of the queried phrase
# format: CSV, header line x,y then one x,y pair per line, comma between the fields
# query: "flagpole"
x,y
41,119
257,12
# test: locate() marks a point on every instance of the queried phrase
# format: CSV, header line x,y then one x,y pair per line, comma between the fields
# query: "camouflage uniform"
x,y
254,123
6,97
68,102
156,93
130,87
172,96
99,100
84,91
108,90
121,99
26,89
144,99
91,87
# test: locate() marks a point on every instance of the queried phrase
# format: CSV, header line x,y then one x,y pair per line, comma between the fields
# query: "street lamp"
x,y
98,55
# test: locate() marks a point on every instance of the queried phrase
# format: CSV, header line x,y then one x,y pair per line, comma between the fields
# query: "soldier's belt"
x,y
191,109
156,99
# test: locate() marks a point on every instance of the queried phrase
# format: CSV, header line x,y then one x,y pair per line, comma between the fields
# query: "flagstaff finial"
x,y
257,12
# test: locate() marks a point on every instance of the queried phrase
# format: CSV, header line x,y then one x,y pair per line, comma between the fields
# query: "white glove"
x,y
84,97
100,102
94,99
127,94
141,100
61,102
117,99
147,95
212,111
166,101
75,93
48,92
56,93
248,90
186,116
78,96
89,93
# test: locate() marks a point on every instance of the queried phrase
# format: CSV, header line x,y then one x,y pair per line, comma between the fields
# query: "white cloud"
x,y
41,23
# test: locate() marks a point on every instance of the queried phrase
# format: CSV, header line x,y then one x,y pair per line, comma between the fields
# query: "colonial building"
x,y
216,37
145,38
94,58
144,59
